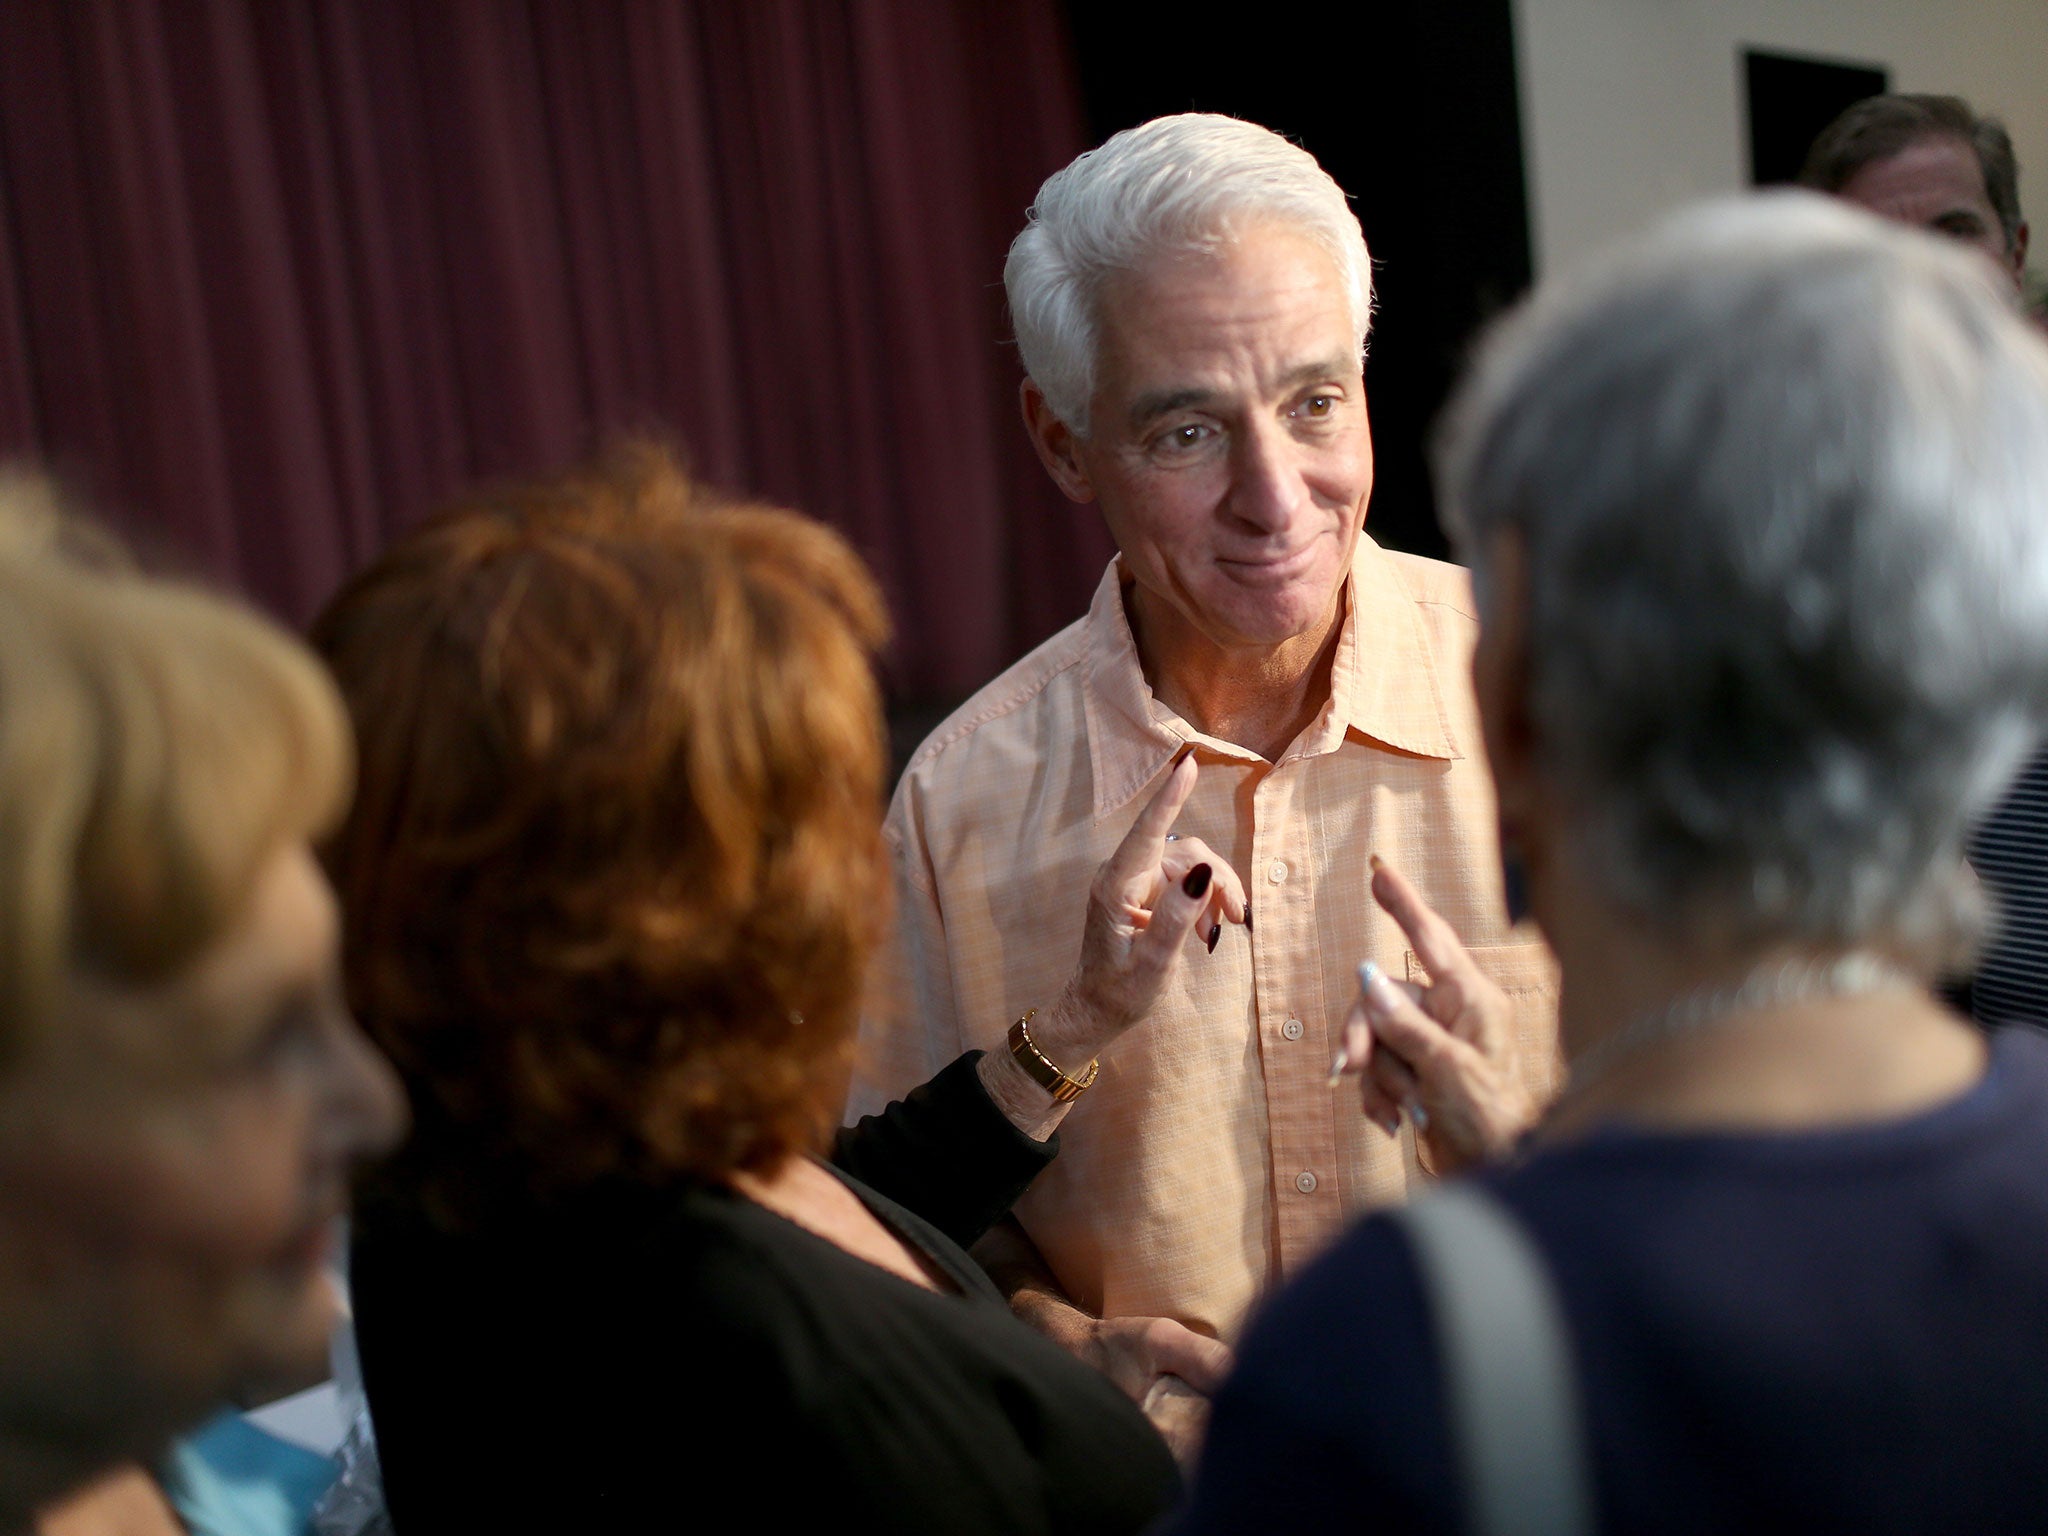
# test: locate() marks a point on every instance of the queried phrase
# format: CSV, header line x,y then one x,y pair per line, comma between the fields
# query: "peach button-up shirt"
x,y
1210,1159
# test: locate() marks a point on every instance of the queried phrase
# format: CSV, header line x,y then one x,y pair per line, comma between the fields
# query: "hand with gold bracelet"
x,y
1145,901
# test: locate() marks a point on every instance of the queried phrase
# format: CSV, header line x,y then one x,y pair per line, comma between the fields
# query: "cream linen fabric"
x,y
1210,1159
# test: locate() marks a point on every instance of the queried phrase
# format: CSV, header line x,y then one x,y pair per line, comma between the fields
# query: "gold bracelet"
x,y
1064,1089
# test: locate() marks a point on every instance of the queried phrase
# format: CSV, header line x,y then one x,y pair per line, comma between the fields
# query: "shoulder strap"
x,y
1509,1381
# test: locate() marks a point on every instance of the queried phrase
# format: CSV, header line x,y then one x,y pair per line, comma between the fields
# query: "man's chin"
x,y
1276,618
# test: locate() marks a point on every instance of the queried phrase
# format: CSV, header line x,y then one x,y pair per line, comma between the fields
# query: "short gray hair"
x,y
1171,185
1781,476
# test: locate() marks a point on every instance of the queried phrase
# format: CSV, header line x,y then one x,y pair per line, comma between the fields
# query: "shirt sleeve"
x,y
946,1153
910,1025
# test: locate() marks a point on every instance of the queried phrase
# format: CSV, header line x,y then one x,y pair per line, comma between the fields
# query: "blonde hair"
x,y
157,744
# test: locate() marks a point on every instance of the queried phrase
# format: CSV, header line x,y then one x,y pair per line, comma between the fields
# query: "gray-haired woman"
x,y
1759,515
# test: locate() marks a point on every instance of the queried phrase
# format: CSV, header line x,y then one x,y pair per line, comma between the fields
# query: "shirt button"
x,y
1291,1029
1278,871
1305,1182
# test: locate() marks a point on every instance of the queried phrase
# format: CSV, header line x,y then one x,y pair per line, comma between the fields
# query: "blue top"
x,y
1843,1330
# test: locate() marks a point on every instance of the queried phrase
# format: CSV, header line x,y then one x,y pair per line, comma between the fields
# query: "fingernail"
x,y
1419,1115
1183,755
1197,882
1215,934
1337,1065
1378,863
1391,1124
1247,916
1374,987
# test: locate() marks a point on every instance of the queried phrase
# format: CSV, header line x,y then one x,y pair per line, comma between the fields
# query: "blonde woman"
x,y
182,1093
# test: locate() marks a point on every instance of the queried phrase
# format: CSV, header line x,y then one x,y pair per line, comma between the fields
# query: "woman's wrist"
x,y
1023,1101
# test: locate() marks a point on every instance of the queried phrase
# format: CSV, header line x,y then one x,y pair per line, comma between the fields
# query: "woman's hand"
x,y
1146,899
1446,1053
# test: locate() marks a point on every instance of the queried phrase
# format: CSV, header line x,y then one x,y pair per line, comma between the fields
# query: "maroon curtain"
x,y
278,275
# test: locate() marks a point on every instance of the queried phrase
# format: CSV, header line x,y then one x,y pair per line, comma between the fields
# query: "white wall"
x,y
1630,106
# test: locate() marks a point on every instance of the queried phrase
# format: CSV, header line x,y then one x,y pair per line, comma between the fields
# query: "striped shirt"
x,y
2010,852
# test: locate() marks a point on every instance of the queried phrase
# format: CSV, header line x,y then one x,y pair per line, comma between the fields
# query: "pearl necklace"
x,y
1768,986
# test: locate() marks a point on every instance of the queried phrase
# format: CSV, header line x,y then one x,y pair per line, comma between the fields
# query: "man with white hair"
x,y
1191,303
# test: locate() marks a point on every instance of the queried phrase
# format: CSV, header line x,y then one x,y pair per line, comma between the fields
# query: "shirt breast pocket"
x,y
1526,970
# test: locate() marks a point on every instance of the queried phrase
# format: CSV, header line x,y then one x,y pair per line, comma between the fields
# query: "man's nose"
x,y
1266,486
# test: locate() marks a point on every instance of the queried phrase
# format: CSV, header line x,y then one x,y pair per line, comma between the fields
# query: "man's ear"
x,y
1055,442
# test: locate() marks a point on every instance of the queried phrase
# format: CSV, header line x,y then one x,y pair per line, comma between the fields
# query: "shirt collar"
x,y
1384,684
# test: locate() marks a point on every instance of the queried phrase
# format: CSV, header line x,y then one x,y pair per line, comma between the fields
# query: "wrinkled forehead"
x,y
1271,293
1932,175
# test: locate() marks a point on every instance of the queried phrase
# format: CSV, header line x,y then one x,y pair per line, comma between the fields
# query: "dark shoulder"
x,y
1334,1406
707,1338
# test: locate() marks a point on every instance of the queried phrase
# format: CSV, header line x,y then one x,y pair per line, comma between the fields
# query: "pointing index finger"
x,y
1145,844
1434,943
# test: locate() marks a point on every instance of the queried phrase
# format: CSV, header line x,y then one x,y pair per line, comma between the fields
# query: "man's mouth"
x,y
1272,569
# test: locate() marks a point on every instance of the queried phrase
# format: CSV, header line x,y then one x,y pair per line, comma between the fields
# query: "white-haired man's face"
x,y
1229,446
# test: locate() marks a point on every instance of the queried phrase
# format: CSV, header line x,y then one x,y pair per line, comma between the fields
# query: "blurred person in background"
x,y
1755,514
1932,162
183,1096
610,886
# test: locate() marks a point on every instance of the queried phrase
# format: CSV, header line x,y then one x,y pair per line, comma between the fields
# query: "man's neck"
x,y
1258,697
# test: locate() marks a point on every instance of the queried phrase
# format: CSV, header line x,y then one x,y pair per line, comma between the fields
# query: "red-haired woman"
x,y
609,886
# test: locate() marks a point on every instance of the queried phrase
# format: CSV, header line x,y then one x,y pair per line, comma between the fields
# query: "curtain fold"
x,y
278,275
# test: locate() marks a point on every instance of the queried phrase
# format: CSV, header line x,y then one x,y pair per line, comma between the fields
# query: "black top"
x,y
634,1360
946,1153
1839,1331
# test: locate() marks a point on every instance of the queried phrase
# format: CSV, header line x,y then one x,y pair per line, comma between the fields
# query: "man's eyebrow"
x,y
1149,408
1318,372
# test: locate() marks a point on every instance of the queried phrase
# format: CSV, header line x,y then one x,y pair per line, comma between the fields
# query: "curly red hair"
x,y
614,866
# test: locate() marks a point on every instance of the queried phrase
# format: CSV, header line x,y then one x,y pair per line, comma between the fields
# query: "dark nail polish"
x,y
1183,755
1197,882
1247,917
1215,934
